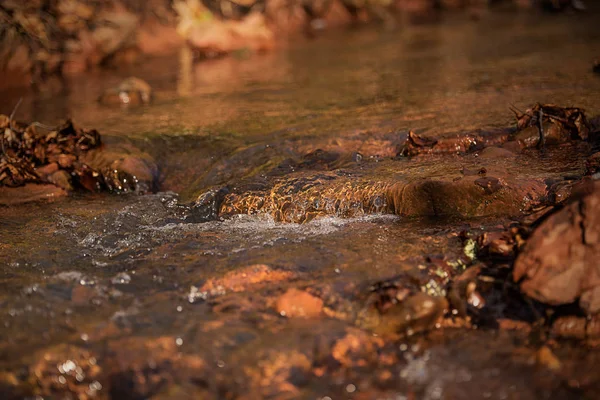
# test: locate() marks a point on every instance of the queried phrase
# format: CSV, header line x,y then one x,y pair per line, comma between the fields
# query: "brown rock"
x,y
569,327
497,152
559,263
356,348
142,367
241,279
30,192
66,371
62,179
545,357
470,196
298,303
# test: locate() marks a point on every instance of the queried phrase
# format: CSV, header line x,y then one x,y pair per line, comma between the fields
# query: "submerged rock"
x,y
131,91
298,303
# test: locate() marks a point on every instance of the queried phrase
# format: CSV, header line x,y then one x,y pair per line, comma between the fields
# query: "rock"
x,y
592,164
559,263
558,125
30,192
62,179
418,313
546,358
496,152
298,303
67,371
242,279
142,367
464,142
276,373
569,327
131,91
123,168
356,349
468,197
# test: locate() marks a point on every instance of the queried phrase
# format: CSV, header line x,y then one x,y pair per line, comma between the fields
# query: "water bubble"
x,y
67,367
84,337
179,341
62,380
220,363
179,309
350,388
121,278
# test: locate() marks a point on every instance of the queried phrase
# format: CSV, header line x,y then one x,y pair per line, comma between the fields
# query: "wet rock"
x,y
30,192
121,169
415,143
466,142
400,306
207,205
356,348
67,371
296,303
498,244
592,164
552,124
62,179
546,358
244,278
463,293
558,264
569,327
142,367
417,313
275,373
489,184
131,91
496,152
469,196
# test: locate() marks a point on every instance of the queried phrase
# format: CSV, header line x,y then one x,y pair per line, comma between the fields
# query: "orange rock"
x,y
298,303
357,348
241,279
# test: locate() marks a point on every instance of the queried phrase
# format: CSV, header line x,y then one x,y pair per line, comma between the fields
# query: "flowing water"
x,y
114,283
